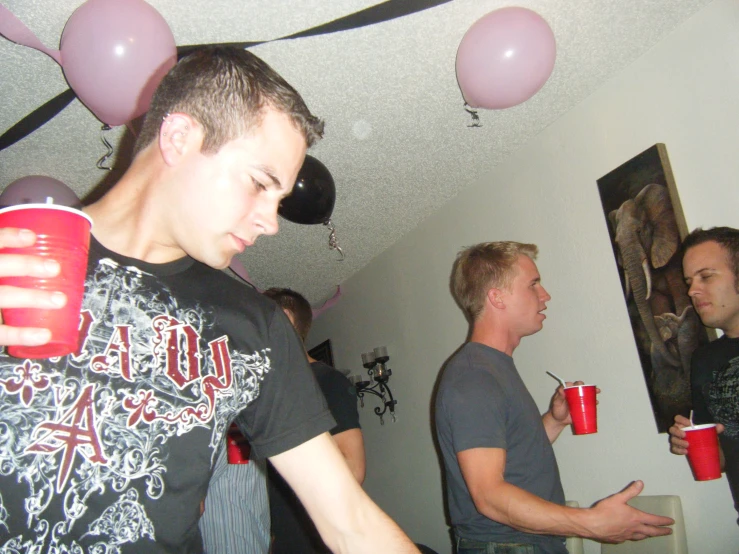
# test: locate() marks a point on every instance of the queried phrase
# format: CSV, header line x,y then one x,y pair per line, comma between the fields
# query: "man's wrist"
x,y
554,421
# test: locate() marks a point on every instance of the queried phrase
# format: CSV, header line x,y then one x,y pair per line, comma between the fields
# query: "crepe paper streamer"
x,y
17,32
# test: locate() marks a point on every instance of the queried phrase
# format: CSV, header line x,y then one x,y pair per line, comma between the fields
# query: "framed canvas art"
x,y
646,225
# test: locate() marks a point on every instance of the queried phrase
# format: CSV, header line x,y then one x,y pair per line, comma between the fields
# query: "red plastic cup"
x,y
582,403
62,234
703,451
237,445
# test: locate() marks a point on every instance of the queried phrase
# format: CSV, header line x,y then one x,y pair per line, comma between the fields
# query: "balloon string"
x,y
333,244
475,118
101,161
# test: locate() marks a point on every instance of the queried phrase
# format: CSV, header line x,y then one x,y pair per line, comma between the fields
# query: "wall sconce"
x,y
375,362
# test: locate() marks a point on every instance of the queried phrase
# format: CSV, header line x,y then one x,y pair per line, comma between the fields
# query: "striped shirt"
x,y
236,517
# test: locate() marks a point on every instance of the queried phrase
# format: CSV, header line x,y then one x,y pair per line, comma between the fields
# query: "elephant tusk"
x,y
648,276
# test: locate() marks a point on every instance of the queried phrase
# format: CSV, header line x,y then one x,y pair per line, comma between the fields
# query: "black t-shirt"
x,y
110,449
341,396
714,382
292,529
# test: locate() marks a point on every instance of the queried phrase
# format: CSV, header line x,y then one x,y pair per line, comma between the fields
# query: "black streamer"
x,y
380,13
36,118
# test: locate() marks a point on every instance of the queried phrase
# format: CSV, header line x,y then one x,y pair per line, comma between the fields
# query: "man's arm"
x,y
553,426
344,515
610,520
351,445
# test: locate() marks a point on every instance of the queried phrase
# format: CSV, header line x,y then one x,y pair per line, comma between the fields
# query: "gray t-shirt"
x,y
483,403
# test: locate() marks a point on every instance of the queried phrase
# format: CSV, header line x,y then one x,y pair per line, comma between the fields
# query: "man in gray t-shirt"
x,y
502,480
483,403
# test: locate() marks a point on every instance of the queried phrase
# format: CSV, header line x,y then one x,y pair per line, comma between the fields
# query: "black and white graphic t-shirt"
x,y
714,382
109,450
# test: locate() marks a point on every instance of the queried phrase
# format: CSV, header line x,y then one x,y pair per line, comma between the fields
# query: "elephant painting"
x,y
646,244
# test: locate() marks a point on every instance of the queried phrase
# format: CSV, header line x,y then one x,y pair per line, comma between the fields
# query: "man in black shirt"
x,y
292,530
111,448
711,269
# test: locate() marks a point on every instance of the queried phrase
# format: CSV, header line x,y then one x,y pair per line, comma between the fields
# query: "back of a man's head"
x,y
297,307
726,237
483,266
225,90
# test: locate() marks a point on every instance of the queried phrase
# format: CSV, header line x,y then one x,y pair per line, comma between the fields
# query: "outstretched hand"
x,y
615,521
14,265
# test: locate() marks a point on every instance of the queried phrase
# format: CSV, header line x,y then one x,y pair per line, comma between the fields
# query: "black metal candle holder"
x,y
375,364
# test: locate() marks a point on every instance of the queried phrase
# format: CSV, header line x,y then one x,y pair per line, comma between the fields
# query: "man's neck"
x,y
125,219
494,335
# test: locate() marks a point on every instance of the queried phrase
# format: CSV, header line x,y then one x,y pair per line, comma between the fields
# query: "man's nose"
x,y
267,220
693,289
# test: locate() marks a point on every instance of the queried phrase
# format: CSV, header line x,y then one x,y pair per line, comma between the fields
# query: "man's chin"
x,y
216,262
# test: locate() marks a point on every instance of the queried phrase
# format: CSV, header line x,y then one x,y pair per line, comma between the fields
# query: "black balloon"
x,y
313,197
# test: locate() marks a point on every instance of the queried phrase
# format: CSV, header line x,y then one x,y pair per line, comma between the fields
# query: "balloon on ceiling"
x,y
504,58
312,200
113,54
37,189
313,196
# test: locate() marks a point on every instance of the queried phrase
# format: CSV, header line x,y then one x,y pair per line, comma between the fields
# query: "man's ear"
x,y
495,298
178,134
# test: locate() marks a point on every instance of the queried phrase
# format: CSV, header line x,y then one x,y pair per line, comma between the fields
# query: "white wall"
x,y
685,93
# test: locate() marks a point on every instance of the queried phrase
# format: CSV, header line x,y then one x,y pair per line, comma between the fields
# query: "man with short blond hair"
x,y
503,488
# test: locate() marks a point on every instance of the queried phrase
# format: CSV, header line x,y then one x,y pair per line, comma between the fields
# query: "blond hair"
x,y
483,266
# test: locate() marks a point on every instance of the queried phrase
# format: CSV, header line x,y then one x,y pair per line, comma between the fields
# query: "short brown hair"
x,y
225,89
726,237
297,305
483,266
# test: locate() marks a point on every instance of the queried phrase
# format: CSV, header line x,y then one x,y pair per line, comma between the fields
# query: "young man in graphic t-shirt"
x,y
110,449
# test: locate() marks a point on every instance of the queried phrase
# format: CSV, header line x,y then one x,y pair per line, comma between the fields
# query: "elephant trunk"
x,y
638,273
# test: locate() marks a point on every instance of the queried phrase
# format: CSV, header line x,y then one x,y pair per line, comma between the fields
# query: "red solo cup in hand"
x,y
703,451
62,234
582,403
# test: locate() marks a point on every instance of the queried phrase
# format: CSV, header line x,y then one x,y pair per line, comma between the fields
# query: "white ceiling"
x,y
397,138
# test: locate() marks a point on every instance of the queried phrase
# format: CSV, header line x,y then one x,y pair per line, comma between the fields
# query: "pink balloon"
x,y
505,58
114,54
35,189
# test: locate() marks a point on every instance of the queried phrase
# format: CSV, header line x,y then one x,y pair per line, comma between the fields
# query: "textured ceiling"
x,y
397,138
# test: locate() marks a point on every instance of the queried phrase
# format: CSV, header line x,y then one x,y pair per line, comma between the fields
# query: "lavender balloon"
x,y
36,189
505,58
114,55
